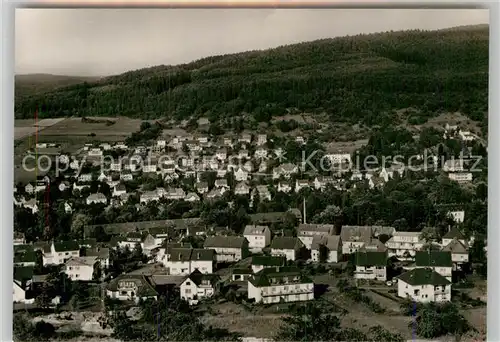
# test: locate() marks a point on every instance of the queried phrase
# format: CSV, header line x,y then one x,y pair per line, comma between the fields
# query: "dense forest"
x,y
354,79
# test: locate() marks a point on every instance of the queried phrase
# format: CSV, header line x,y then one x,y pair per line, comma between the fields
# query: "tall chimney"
x,y
304,210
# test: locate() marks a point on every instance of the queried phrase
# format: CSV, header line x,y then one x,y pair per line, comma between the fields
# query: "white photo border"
x,y
7,124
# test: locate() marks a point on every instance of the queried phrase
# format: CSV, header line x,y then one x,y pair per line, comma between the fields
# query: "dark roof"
x,y
88,242
370,259
423,276
25,256
314,228
101,252
23,274
285,242
197,277
144,287
66,246
186,254
265,260
433,259
225,242
454,233
356,233
169,245
241,271
332,242
455,247
44,246
279,275
161,230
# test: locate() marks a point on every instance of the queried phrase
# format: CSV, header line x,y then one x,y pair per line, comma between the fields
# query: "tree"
x,y
79,222
378,333
435,320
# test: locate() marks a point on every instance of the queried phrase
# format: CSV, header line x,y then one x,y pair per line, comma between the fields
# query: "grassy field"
x,y
70,133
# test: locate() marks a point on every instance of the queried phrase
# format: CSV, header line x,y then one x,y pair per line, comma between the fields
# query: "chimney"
x,y
304,210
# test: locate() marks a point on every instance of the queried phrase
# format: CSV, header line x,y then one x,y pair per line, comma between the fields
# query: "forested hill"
x,y
361,78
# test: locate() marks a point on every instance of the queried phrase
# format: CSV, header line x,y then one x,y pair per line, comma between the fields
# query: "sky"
x,y
101,42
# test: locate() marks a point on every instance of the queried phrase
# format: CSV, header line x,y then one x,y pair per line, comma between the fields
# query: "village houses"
x,y
258,237
424,285
228,248
286,246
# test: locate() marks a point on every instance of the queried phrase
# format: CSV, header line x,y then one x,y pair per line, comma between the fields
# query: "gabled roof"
x,y
455,247
66,246
370,259
225,242
100,252
454,233
278,276
332,242
356,233
144,287
241,271
25,256
199,278
305,229
423,276
22,274
255,230
433,259
267,260
82,261
285,242
187,254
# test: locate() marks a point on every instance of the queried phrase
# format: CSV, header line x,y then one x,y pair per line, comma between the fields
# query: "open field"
x,y
103,131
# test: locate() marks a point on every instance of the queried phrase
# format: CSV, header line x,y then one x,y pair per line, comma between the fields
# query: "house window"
x,y
188,291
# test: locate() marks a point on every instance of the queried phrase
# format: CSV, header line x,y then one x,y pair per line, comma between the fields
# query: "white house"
x,y
457,216
261,139
460,177
22,284
459,252
149,196
32,205
96,199
130,287
241,175
370,265
67,208
259,262
286,246
241,188
306,232
86,177
424,285
258,237
453,165
262,191
333,245
81,268
183,261
285,170
260,153
339,158
192,197
175,194
280,284
320,183
453,234
466,135
221,154
354,237
198,286
227,248
404,245
60,252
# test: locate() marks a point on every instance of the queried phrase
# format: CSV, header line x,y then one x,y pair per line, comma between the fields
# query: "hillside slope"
x,y
353,79
27,85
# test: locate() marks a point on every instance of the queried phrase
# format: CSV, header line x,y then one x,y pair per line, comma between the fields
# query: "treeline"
x,y
352,79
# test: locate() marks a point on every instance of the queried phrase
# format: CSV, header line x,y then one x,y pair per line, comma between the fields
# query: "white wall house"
x,y
457,216
281,284
354,237
404,245
22,284
184,261
60,252
81,268
288,247
333,244
460,177
130,287
306,232
424,285
97,198
370,265
241,175
453,234
459,252
198,286
285,170
227,248
284,187
258,237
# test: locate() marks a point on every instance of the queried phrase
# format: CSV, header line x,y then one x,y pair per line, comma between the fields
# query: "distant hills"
x,y
355,79
39,83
